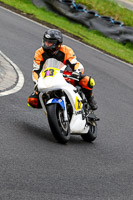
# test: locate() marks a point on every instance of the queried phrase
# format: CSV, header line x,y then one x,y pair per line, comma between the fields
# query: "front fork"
x,y
65,110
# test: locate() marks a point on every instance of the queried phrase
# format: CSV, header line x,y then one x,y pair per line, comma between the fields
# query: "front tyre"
x,y
92,133
59,128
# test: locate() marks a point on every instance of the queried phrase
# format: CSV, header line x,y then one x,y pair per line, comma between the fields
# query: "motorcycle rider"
x,y
52,48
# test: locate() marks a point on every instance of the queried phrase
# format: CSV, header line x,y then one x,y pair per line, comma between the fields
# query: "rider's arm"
x,y
72,62
37,64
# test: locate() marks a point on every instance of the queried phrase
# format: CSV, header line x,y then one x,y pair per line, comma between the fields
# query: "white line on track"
x,y
20,82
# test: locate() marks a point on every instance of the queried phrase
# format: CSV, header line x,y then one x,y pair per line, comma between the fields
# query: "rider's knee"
x,y
87,82
91,82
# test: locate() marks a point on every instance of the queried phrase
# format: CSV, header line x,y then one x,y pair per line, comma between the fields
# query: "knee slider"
x,y
91,83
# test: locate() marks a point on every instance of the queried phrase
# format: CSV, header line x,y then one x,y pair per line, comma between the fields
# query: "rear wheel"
x,y
92,133
60,129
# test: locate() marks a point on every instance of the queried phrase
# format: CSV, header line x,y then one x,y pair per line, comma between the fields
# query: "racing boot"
x,y
33,100
92,103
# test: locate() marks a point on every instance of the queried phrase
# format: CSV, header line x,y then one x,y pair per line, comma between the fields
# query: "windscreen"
x,y
52,62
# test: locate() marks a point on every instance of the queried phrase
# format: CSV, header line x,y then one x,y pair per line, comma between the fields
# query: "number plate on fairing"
x,y
49,72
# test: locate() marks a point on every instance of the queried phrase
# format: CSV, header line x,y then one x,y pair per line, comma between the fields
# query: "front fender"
x,y
58,101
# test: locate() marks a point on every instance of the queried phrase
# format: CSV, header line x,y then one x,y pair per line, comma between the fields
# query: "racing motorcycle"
x,y
64,104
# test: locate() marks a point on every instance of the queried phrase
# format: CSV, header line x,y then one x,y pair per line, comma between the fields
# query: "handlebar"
x,y
70,77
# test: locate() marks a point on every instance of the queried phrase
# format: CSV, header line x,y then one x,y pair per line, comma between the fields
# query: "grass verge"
x,y
109,8
94,38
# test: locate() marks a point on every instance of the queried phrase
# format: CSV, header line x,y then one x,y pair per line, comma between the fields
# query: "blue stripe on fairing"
x,y
59,101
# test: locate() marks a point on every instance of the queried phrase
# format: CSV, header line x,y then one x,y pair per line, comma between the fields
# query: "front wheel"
x,y
92,133
59,128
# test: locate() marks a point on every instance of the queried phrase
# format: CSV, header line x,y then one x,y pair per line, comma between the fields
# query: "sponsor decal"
x,y
78,104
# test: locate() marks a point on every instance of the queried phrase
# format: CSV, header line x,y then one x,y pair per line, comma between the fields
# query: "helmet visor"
x,y
49,43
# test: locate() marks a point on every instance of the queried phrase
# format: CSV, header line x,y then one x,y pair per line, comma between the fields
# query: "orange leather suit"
x,y
66,55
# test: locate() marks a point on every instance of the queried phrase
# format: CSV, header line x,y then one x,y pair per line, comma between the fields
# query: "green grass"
x,y
94,38
109,8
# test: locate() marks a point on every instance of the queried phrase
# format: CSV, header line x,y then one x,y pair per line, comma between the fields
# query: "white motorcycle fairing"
x,y
51,78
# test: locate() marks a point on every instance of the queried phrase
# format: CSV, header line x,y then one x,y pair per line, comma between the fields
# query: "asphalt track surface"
x,y
33,166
